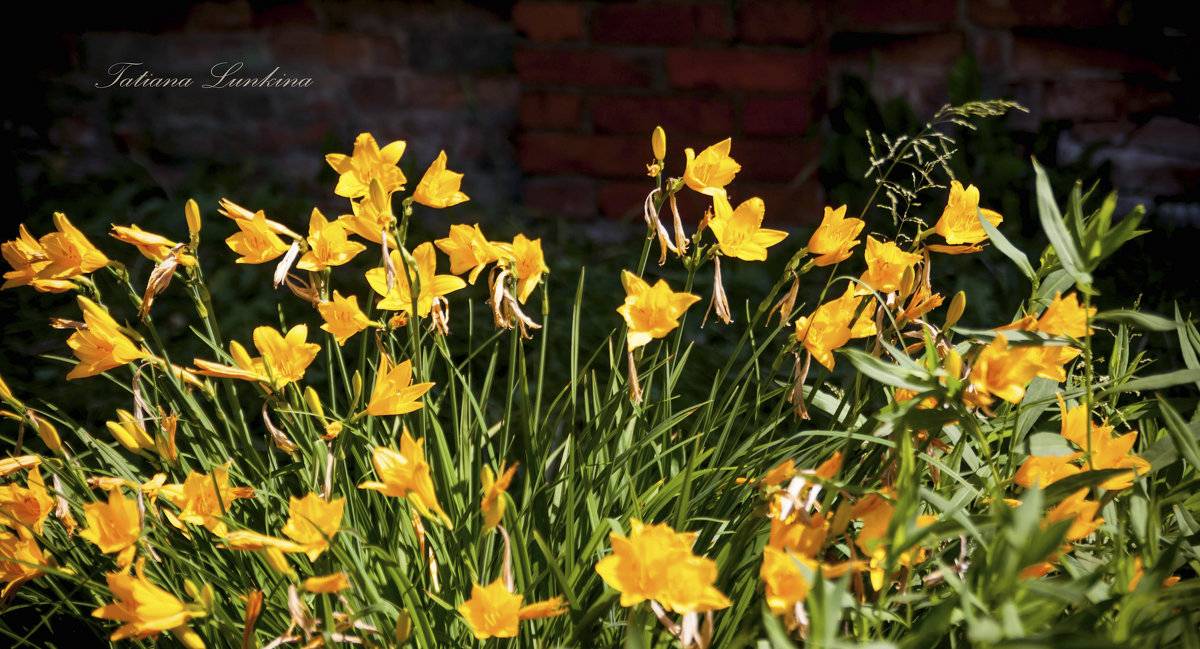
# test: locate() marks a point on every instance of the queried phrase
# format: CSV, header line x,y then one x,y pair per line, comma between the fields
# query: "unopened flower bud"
x,y
955,311
658,141
403,627
314,402
192,212
907,281
47,432
953,364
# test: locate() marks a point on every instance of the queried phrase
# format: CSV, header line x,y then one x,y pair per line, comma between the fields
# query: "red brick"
x,y
631,22
1100,100
297,47
348,50
698,115
775,160
570,197
777,115
712,21
936,49
220,16
859,14
552,111
575,68
745,70
373,91
1005,14
777,22
549,22
623,199
287,16
1169,135
434,91
991,48
387,52
1044,58
609,156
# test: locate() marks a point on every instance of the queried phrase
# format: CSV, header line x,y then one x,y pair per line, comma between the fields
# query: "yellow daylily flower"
x,y
256,542
13,464
886,264
739,232
23,548
1105,451
656,562
342,317
203,499
327,244
28,259
493,612
651,311
114,526
829,328
256,243
154,247
431,285
1080,511
439,187
240,214
370,221
468,250
101,346
284,358
25,509
1001,371
313,523
528,263
145,609
406,474
333,583
960,222
834,238
69,252
709,172
368,162
394,392
493,494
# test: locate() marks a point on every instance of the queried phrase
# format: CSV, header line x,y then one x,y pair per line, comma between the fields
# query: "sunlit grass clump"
x,y
392,470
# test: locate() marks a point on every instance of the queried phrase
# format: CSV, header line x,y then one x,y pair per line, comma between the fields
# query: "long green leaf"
x,y
1056,230
1147,321
1177,428
1156,382
1005,246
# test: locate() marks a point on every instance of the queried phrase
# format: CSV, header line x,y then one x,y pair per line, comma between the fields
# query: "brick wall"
x,y
550,103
